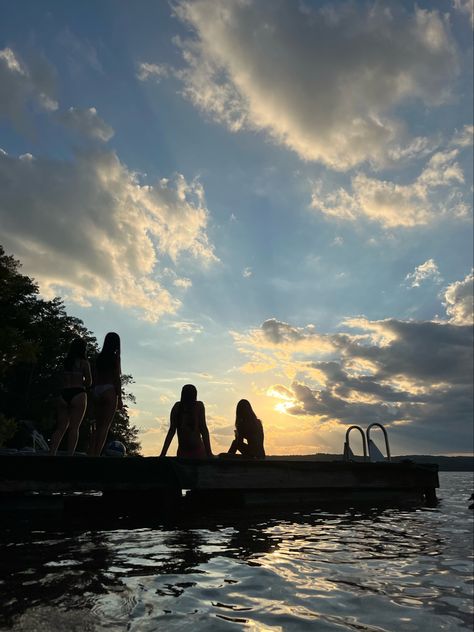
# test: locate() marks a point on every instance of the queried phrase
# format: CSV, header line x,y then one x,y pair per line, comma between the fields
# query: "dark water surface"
x,y
377,570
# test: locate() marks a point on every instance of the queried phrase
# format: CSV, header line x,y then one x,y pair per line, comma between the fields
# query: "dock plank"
x,y
60,474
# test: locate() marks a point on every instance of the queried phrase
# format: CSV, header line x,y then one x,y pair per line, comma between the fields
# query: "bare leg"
x,y
244,449
63,423
233,447
104,413
77,409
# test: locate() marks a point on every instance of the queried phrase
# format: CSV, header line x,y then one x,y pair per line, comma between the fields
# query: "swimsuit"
x,y
190,445
101,388
68,394
198,452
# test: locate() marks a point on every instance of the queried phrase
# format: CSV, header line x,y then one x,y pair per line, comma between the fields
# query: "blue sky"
x,y
269,199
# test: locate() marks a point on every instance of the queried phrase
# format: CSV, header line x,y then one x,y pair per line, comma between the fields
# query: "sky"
x,y
270,199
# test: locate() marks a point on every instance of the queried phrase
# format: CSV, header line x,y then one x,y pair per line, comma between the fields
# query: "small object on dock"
x,y
115,448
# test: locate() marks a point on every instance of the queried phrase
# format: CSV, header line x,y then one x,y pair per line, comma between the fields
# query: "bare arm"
x,y
118,382
86,373
203,429
171,432
261,438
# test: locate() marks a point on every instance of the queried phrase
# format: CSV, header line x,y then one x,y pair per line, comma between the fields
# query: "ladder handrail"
x,y
364,444
387,447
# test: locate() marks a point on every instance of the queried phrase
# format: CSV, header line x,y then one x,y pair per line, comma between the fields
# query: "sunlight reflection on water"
x,y
376,570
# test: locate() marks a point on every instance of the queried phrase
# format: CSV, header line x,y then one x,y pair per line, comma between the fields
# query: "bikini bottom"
x,y
68,394
100,389
198,452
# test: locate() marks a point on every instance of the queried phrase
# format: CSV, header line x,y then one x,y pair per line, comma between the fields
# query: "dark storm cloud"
x,y
414,376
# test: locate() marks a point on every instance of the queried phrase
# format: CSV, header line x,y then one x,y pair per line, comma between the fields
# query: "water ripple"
x,y
377,571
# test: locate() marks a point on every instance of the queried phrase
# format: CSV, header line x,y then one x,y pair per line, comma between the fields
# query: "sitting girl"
x,y
188,419
248,432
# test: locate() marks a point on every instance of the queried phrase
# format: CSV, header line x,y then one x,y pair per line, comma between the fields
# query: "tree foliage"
x,y
34,337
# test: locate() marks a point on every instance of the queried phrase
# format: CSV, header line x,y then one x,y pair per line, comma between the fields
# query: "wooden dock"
x,y
140,480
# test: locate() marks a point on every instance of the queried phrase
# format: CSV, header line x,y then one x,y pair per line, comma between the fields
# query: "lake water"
x,y
376,570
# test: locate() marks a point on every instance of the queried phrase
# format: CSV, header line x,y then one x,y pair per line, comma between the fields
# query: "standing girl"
x,y
73,399
107,391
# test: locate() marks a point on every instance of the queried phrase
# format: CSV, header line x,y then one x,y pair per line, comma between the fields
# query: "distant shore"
x,y
445,463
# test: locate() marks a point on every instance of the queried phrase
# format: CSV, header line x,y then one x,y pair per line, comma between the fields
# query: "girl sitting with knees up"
x,y
248,432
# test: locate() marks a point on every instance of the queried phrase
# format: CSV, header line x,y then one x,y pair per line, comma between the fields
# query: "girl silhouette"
x,y
248,432
188,419
72,402
107,391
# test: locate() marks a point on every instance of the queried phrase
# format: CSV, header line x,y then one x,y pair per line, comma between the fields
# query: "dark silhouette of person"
x,y
248,432
72,403
188,420
107,391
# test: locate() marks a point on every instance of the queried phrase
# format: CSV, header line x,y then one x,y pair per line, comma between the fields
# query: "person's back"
x,y
188,420
77,374
252,432
107,391
188,428
107,369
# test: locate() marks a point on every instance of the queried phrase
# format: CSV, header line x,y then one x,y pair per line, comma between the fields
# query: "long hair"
x,y
110,352
77,351
187,415
244,415
188,396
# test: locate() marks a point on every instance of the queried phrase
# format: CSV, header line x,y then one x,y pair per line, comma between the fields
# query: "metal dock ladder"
x,y
348,454
371,451
374,452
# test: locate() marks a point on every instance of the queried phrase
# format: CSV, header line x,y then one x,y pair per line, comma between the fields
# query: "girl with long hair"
x,y
248,432
76,377
188,419
107,391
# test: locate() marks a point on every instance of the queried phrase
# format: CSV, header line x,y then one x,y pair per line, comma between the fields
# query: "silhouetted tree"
x,y
34,336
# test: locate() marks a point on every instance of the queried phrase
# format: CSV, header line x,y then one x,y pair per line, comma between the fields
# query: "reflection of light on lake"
x,y
376,569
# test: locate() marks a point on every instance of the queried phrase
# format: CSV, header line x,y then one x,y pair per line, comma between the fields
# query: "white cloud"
x,y
183,283
88,228
427,270
188,327
274,343
324,82
464,137
393,204
21,83
87,122
147,71
458,299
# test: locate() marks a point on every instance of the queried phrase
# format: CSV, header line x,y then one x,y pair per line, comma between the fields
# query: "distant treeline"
x,y
445,463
